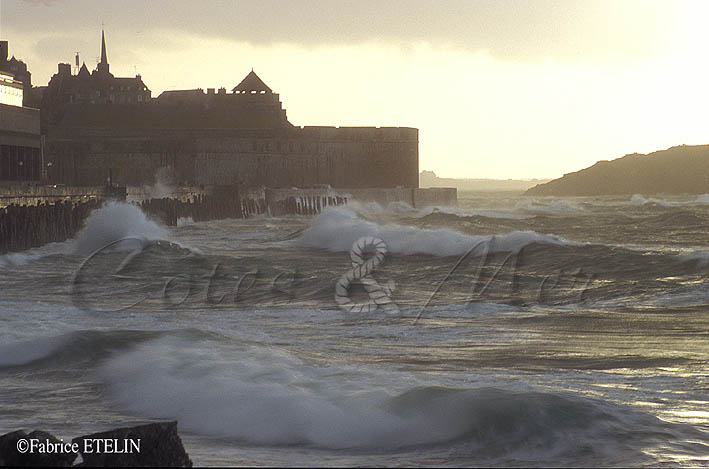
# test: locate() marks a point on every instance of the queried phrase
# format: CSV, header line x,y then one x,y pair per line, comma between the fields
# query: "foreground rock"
x,y
152,445
14,454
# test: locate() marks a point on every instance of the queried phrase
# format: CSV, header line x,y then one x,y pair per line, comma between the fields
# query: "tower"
x,y
103,64
3,52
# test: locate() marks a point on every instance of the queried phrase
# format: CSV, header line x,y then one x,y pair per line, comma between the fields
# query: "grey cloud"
x,y
515,29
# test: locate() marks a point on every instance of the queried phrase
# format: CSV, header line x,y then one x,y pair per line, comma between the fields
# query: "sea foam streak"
x,y
337,228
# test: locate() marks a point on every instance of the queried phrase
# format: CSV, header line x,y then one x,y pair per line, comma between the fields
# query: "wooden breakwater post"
x,y
219,202
307,201
25,227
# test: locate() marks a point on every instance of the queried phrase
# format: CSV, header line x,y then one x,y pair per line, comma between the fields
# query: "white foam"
x,y
265,396
702,199
337,228
17,259
113,222
483,212
549,206
638,199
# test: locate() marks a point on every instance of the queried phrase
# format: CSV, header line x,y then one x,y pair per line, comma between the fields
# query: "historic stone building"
x,y
97,87
96,122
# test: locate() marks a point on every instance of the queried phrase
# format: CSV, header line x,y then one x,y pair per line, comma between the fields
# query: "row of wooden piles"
x,y
305,205
216,207
202,208
29,226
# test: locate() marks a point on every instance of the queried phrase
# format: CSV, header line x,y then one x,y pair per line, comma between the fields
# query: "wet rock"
x,y
47,451
155,444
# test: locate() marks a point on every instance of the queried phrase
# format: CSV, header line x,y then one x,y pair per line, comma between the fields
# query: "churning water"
x,y
527,331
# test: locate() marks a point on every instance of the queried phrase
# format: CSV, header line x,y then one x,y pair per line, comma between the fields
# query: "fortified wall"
x,y
276,157
96,123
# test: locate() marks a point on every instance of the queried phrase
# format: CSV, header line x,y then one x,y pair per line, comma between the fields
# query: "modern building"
x,y
18,69
20,157
11,90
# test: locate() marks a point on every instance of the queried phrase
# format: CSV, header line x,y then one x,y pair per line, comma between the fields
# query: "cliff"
x,y
677,170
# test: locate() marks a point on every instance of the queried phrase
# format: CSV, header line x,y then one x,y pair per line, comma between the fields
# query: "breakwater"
x,y
202,207
29,226
59,214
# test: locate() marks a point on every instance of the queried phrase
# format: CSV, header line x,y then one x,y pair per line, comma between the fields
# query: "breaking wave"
x,y
702,199
16,259
113,222
549,207
270,397
337,228
638,199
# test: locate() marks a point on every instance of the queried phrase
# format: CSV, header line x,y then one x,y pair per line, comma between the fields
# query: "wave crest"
x,y
337,228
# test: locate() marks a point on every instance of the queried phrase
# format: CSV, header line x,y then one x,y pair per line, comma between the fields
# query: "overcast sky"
x,y
498,88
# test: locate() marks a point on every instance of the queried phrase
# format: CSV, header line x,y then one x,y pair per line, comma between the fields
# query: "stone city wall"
x,y
295,157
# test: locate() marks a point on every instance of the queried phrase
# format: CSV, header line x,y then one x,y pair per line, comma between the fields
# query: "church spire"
x,y
103,64
104,59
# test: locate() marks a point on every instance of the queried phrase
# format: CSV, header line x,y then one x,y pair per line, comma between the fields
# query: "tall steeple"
x,y
103,64
104,59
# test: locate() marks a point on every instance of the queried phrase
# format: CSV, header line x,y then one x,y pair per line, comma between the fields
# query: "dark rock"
x,y
677,170
55,457
158,444
9,456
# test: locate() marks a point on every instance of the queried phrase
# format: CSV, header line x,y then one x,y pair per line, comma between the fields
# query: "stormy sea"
x,y
509,331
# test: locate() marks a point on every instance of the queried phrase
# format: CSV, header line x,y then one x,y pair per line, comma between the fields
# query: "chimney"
x,y
222,90
64,69
3,51
210,91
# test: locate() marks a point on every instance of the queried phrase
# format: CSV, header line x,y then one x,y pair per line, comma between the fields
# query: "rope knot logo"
x,y
361,272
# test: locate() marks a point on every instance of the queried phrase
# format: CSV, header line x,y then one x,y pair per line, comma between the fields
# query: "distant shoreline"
x,y
429,179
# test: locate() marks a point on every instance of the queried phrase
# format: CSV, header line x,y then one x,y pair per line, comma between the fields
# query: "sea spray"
x,y
113,222
270,397
337,228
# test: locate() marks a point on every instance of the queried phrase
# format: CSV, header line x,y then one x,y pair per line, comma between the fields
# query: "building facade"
x,y
18,70
205,138
97,87
20,155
